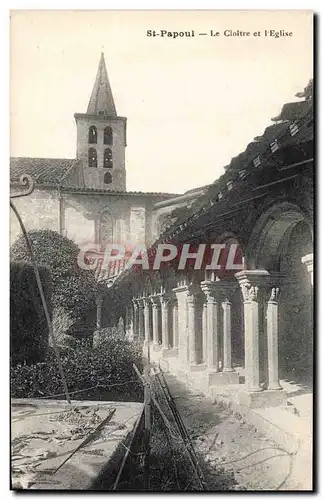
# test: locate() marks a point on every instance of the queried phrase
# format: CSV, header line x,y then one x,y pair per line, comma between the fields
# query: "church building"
x,y
85,198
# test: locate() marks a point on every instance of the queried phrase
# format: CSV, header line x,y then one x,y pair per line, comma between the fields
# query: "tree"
x,y
74,289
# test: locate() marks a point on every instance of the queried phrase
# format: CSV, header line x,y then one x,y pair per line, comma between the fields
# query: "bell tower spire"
x,y
101,137
101,100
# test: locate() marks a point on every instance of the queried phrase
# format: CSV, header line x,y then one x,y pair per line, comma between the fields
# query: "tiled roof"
x,y
45,171
295,124
116,192
55,172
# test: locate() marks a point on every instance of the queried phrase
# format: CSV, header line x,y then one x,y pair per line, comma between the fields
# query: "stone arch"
x,y
108,136
107,179
93,157
106,227
271,233
237,323
107,158
281,236
92,135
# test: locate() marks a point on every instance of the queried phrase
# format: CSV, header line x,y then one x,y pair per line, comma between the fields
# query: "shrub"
x,y
92,371
74,289
28,325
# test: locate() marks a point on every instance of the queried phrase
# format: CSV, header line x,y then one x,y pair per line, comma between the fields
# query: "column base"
x,y
156,347
262,399
169,353
223,378
194,367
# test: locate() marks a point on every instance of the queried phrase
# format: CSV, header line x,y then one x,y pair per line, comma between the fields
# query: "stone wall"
x,y
38,211
78,215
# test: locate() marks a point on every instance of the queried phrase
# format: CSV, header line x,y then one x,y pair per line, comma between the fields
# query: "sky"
x,y
192,103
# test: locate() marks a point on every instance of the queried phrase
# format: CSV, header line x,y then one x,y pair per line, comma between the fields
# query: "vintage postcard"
x,y
161,250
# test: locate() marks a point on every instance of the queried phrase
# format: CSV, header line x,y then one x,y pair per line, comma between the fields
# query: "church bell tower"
x,y
101,137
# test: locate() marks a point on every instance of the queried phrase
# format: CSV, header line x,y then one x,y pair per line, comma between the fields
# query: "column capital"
x,y
135,303
146,302
274,292
165,299
193,294
99,298
155,301
251,281
140,302
219,290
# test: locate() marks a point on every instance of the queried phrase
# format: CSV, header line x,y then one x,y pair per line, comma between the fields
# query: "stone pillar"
x,y
155,301
272,340
212,333
227,363
165,301
146,302
141,323
135,318
250,283
175,324
99,301
129,322
193,300
308,261
204,335
181,293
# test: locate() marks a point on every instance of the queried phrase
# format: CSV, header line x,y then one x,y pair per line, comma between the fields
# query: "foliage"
x,y
28,325
74,288
85,367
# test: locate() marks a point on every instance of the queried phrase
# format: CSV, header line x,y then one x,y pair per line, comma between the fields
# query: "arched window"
x,y
108,136
93,135
106,228
107,159
107,178
93,158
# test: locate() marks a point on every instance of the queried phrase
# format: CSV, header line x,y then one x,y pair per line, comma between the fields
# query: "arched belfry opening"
x,y
93,135
107,158
108,136
92,157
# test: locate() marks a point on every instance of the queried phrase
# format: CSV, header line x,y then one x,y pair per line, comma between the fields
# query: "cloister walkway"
x,y
227,441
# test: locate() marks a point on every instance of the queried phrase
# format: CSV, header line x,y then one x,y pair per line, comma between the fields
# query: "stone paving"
x,y
227,441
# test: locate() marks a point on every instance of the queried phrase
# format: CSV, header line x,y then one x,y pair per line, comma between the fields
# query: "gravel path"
x,y
226,441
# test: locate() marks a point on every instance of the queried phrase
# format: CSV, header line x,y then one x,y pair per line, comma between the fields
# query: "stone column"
x,y
99,301
155,301
135,318
227,348
175,324
250,283
146,302
212,338
193,300
141,323
308,261
272,340
129,322
204,335
181,293
165,301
